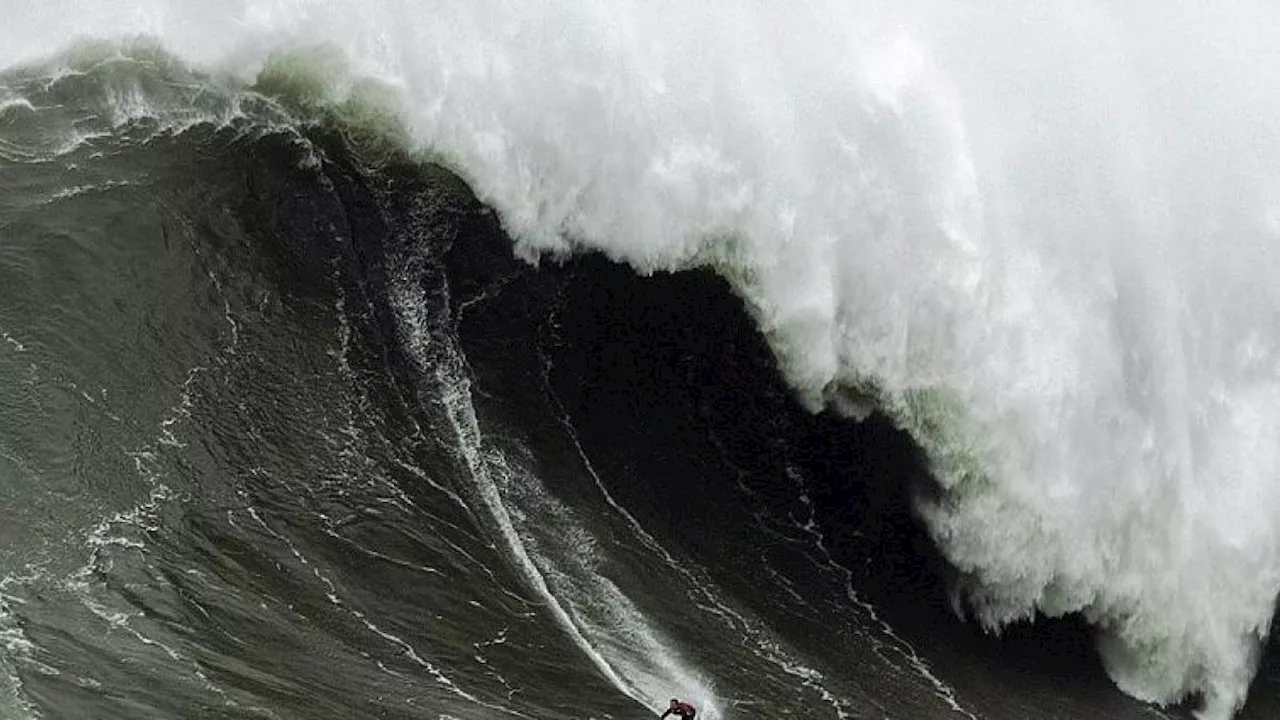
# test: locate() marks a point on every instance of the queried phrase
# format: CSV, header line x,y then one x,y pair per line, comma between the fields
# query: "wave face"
x,y
288,432
1040,240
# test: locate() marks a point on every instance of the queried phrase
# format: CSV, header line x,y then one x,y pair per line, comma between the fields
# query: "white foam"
x,y
1045,236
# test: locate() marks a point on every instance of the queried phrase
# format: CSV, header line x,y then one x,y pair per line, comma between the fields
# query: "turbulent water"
x,y
329,388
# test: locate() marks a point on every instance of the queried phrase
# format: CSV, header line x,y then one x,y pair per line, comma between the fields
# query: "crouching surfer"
x,y
682,710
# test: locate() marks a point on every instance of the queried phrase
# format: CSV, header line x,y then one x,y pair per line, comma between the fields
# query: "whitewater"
x,y
1042,238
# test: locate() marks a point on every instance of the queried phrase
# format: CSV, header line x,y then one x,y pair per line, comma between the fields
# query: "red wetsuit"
x,y
684,710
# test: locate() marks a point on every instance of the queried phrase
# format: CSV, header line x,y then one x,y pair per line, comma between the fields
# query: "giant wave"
x,y
1040,239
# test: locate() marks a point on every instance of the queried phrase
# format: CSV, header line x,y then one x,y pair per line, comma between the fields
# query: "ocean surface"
x,y
550,360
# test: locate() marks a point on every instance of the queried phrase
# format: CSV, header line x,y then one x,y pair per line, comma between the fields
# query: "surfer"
x,y
681,709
